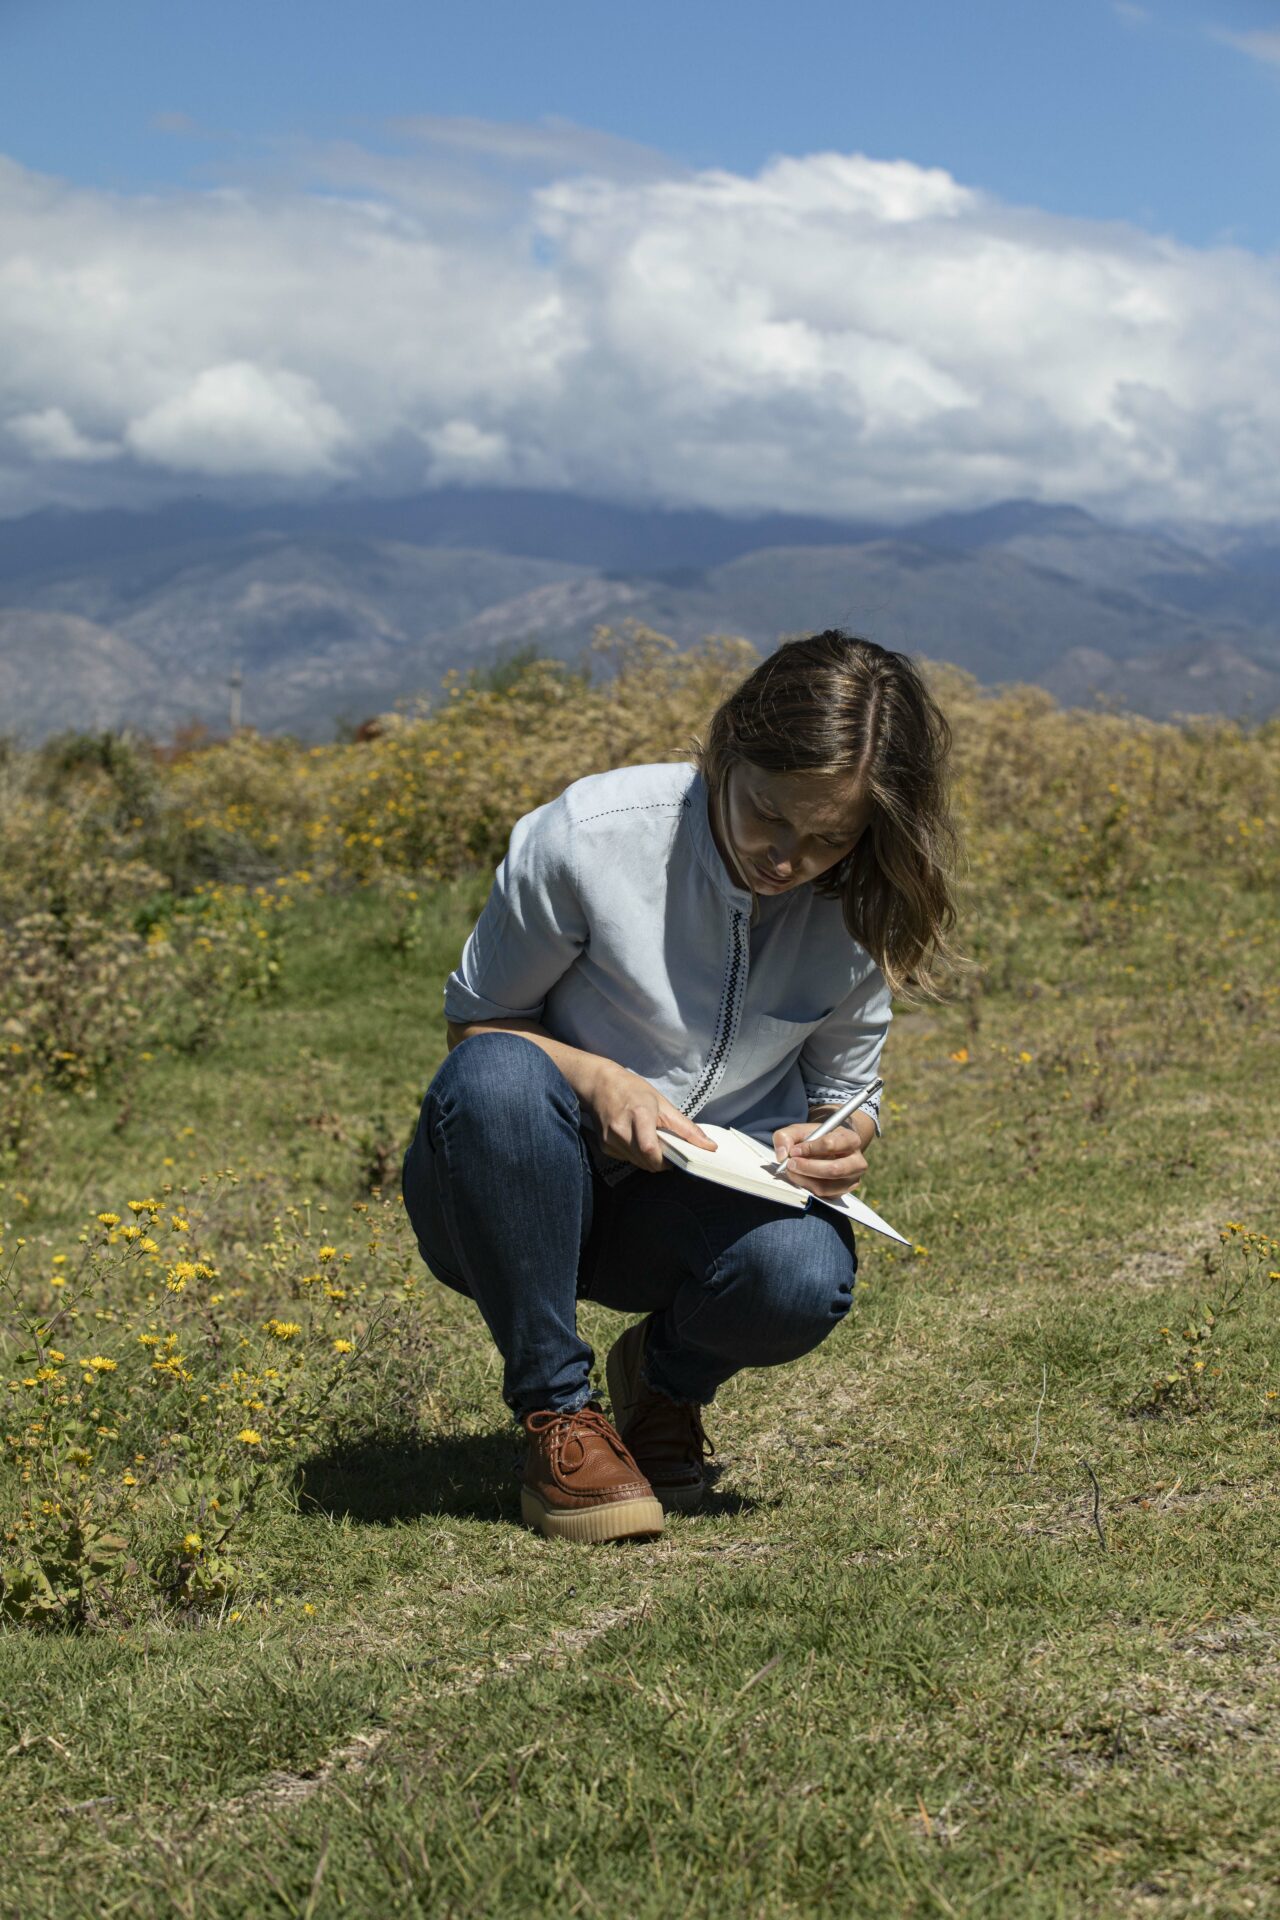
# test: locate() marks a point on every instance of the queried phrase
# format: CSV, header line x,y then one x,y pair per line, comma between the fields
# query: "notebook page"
x,y
848,1203
735,1154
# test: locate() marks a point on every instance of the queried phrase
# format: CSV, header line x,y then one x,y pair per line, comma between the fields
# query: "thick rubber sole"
x,y
611,1520
680,1499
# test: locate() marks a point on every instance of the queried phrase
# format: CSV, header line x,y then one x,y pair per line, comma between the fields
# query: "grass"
x,y
906,1661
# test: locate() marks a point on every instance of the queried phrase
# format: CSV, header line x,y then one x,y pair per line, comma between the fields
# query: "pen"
x,y
833,1121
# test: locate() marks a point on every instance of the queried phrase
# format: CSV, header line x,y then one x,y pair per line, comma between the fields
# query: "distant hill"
x,y
341,607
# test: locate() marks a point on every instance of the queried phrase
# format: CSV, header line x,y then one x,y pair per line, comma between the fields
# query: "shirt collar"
x,y
705,845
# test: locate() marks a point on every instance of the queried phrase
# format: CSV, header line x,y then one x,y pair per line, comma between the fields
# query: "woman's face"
x,y
781,830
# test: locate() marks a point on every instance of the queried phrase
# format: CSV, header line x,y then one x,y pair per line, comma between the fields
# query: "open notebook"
x,y
741,1162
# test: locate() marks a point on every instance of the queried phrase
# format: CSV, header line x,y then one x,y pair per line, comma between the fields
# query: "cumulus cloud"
x,y
240,417
550,307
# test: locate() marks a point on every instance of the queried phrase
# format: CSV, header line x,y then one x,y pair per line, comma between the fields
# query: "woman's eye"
x,y
775,820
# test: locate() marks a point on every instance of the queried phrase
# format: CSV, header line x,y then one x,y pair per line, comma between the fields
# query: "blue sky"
x,y
1167,115
864,260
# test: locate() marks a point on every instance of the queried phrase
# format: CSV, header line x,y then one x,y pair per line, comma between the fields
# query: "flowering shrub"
x,y
1089,806
150,1397
81,993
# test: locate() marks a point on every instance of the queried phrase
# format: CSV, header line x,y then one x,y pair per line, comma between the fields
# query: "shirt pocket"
x,y
771,1042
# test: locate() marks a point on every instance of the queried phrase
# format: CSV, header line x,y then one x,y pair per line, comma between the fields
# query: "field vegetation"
x,y
981,1616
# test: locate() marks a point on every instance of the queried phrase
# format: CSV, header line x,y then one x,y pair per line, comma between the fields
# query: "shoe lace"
x,y
571,1429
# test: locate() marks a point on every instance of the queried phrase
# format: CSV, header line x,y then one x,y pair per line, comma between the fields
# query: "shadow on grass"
x,y
470,1475
384,1481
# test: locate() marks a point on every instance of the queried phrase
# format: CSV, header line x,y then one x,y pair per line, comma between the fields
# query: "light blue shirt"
x,y
614,923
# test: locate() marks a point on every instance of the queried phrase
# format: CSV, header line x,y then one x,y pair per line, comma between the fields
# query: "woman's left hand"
x,y
831,1167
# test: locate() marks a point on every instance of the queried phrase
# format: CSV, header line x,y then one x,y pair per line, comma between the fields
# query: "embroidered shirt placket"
x,y
735,986
727,1019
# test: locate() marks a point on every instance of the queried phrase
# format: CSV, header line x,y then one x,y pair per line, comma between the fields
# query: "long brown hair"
x,y
838,707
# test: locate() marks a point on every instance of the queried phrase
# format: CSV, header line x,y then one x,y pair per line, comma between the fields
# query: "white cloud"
x,y
241,418
832,334
50,435
463,451
1263,44
553,145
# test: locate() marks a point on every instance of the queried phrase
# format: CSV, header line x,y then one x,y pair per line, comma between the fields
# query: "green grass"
x,y
896,1666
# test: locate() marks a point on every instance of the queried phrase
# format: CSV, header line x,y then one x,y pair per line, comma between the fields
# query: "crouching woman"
x,y
712,940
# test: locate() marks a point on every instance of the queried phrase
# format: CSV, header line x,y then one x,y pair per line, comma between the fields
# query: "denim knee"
x,y
770,1297
797,1276
491,1078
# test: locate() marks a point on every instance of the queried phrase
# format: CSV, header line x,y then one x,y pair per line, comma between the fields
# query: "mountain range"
x,y
335,609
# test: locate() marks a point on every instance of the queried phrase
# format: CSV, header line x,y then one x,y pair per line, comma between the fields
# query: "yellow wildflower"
x,y
250,1436
343,1346
109,1219
325,1253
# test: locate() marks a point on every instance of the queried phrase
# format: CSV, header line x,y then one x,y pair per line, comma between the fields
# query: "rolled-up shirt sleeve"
x,y
531,930
842,1055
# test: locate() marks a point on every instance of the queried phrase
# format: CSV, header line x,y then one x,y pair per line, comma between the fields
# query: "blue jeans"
x,y
508,1209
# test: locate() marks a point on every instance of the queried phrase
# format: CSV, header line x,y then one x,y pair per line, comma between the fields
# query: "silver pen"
x,y
832,1121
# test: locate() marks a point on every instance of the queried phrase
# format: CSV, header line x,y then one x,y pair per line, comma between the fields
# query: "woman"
x,y
664,943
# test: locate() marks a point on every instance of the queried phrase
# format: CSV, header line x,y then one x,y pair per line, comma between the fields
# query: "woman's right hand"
x,y
628,1112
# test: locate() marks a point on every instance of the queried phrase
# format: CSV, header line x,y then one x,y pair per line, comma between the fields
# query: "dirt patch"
x,y
1177,1247
1169,1727
1239,1637
1172,1499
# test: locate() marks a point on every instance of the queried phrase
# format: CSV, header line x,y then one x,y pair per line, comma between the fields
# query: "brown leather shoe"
x,y
665,1436
578,1481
